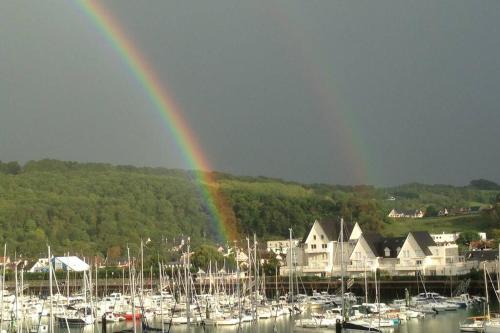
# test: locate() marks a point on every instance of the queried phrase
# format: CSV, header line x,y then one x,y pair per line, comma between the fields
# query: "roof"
x,y
331,229
485,255
424,240
373,240
378,244
73,263
29,265
394,244
408,212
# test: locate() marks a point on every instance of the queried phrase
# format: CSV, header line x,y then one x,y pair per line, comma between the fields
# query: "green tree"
x,y
271,267
431,211
466,237
206,254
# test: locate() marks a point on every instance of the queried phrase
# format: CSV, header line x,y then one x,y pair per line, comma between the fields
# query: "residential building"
x,y
281,246
482,258
41,265
443,212
420,253
5,260
413,214
319,253
445,237
373,251
452,237
320,250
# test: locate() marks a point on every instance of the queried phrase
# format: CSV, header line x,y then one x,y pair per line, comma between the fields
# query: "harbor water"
x,y
445,322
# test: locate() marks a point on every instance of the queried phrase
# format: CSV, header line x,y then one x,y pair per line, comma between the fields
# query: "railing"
x,y
401,267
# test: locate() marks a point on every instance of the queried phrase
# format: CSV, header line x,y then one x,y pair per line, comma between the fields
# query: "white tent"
x,y
72,263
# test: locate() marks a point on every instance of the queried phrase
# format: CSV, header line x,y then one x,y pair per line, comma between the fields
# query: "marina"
x,y
447,322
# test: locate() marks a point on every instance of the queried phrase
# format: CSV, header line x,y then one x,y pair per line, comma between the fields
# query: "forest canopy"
x,y
98,208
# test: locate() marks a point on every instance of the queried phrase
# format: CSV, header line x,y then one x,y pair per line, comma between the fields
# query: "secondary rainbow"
x,y
165,105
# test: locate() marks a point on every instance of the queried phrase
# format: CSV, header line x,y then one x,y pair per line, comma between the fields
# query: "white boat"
x,y
109,317
472,324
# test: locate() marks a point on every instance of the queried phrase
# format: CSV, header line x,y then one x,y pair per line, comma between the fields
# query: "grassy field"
x,y
400,227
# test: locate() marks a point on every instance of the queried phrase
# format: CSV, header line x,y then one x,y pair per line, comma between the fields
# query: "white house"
x,y
281,246
413,214
443,212
420,253
452,237
41,265
445,238
241,256
373,251
320,251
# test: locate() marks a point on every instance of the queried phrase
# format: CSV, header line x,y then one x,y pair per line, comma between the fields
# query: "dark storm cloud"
x,y
265,86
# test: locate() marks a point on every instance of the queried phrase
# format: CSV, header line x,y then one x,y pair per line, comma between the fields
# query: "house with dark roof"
x,y
412,214
373,251
420,253
481,259
320,253
482,255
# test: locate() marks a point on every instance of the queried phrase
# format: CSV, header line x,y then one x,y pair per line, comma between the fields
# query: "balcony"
x,y
358,268
411,267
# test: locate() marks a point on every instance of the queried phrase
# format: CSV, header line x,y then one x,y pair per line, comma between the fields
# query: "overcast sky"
x,y
380,92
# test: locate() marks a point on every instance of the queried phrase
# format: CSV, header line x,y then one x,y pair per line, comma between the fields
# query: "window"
x,y
314,237
419,262
324,246
313,246
322,237
387,252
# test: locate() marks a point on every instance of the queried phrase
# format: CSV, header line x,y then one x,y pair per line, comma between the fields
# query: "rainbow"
x,y
222,217
320,75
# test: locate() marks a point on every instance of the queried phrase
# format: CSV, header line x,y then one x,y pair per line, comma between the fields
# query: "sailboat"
x,y
491,325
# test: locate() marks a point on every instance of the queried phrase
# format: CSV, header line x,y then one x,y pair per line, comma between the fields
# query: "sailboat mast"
x,y
366,282
238,291
16,304
161,296
51,318
498,270
290,270
3,282
256,272
142,271
486,291
342,265
132,288
188,285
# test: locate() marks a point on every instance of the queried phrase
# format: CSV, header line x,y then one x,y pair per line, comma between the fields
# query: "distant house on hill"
x,y
443,212
474,209
413,214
